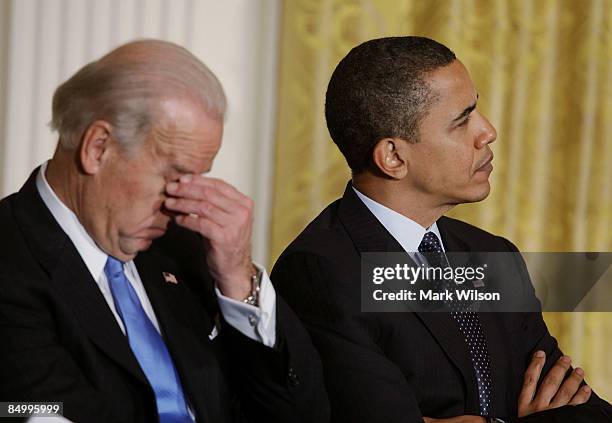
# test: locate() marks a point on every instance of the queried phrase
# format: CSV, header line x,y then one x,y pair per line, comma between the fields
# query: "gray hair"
x,y
126,87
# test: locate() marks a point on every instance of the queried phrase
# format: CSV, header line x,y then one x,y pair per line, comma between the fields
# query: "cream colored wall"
x,y
50,40
4,37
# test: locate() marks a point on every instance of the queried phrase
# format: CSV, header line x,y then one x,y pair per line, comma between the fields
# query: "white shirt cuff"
x,y
257,323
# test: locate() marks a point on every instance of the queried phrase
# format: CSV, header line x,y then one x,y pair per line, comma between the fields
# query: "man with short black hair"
x,y
403,113
379,90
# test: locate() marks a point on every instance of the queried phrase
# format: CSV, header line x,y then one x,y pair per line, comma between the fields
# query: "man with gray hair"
x,y
127,290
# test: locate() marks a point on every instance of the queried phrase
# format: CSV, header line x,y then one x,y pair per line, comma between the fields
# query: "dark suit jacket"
x,y
398,367
59,340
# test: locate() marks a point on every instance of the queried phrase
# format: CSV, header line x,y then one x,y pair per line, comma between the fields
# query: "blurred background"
x,y
543,69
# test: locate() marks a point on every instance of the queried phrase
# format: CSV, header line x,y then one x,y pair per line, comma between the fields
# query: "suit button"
x,y
293,378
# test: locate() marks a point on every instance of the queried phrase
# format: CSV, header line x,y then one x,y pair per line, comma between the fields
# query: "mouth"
x,y
486,166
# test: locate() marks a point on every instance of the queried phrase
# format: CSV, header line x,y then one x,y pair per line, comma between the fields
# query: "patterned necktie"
x,y
469,326
148,347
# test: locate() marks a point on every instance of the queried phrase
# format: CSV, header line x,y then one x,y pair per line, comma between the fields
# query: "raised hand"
x,y
224,217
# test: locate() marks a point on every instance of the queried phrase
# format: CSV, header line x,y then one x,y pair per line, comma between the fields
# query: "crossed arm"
x,y
364,384
559,387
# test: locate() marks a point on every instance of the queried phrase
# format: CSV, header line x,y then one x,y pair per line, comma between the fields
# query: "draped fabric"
x,y
543,70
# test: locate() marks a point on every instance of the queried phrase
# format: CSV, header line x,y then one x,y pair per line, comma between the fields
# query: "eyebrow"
x,y
467,111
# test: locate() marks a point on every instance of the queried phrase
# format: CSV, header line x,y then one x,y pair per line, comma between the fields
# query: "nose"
x,y
487,133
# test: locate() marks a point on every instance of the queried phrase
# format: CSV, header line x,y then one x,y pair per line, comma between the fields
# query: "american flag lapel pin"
x,y
170,278
478,283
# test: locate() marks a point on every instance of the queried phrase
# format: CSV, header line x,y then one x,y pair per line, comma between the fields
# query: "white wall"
x,y
4,38
49,40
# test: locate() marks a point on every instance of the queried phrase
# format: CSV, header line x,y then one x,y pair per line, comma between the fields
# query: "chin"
x,y
479,196
474,195
133,246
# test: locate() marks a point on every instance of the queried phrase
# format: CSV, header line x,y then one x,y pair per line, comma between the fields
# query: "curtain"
x,y
543,70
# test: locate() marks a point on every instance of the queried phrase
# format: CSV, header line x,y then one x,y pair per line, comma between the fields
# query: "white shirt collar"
x,y
405,230
92,255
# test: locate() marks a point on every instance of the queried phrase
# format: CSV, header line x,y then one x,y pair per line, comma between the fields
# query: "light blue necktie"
x,y
148,347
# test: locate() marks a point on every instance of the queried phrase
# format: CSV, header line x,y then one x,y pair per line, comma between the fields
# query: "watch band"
x,y
253,299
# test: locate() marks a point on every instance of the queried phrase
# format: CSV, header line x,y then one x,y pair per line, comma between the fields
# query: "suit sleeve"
x,y
362,384
283,384
539,338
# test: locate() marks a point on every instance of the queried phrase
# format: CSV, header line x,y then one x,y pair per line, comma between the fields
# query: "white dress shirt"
x,y
257,323
405,230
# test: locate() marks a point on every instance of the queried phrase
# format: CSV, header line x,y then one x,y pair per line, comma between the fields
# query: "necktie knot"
x,y
113,267
430,243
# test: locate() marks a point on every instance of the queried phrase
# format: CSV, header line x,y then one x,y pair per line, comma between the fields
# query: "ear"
x,y
388,155
95,142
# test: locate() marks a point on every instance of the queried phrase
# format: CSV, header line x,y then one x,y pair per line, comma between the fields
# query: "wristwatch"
x,y
253,299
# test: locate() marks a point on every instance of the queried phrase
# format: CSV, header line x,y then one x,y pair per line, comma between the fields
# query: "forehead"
x,y
186,135
452,88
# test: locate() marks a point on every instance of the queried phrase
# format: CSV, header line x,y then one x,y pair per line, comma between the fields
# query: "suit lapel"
x,y
460,250
59,258
365,230
195,361
451,241
489,321
83,296
369,235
